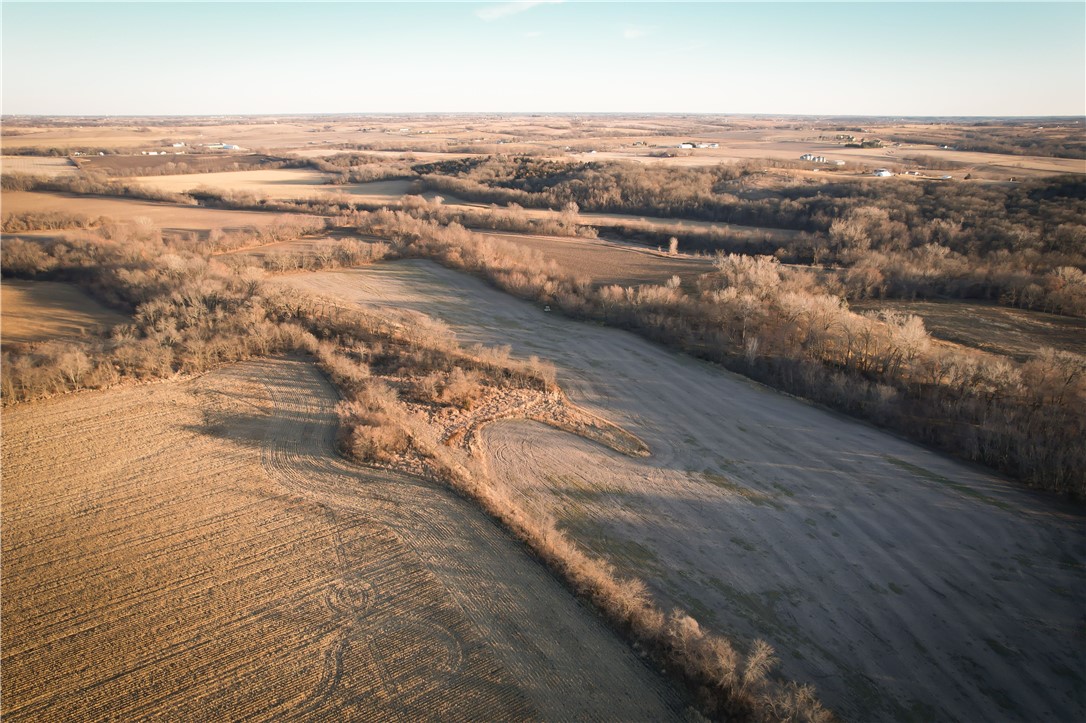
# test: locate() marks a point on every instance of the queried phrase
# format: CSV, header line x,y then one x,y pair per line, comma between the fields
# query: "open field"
x,y
173,163
38,166
42,310
194,550
990,166
607,262
1017,333
279,184
276,183
167,216
901,583
642,139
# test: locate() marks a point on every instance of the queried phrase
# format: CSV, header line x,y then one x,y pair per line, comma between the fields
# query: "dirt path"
x,y
197,550
902,583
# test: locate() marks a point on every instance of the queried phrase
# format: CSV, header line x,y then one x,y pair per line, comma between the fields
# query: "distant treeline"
x,y
905,239
1010,141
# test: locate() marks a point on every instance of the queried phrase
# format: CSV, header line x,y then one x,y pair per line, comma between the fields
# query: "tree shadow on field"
x,y
305,435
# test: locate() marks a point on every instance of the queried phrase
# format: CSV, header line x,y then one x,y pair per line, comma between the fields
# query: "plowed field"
x,y
197,551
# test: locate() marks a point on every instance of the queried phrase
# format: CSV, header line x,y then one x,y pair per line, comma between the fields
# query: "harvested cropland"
x,y
608,262
1017,333
38,166
33,311
281,183
197,550
167,216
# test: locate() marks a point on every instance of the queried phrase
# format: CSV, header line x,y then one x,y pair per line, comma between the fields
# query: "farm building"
x,y
812,157
882,172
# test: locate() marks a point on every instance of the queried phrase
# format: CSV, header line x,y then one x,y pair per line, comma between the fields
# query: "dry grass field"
x,y
607,262
167,216
276,183
197,551
1017,333
38,166
42,310
903,584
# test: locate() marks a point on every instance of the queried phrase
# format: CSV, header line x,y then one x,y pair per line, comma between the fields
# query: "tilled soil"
x,y
197,550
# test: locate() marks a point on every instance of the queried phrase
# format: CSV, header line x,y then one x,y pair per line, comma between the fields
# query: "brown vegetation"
x,y
176,551
1023,419
116,165
1002,243
36,311
192,314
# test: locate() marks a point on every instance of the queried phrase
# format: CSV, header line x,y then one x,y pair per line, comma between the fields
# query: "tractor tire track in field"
x,y
500,591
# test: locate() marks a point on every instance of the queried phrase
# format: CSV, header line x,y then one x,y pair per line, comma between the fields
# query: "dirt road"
x,y
197,551
903,584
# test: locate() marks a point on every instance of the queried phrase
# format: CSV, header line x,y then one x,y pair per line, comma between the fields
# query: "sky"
x,y
810,58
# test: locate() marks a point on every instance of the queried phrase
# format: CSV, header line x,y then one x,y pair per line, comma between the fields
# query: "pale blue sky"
x,y
802,58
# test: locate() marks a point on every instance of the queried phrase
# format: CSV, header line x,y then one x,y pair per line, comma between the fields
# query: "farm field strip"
x,y
38,165
167,216
42,310
608,262
898,581
203,531
1017,333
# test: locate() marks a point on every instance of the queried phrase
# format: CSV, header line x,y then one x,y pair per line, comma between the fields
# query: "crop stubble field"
x,y
194,550
903,584
167,216
41,310
998,329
